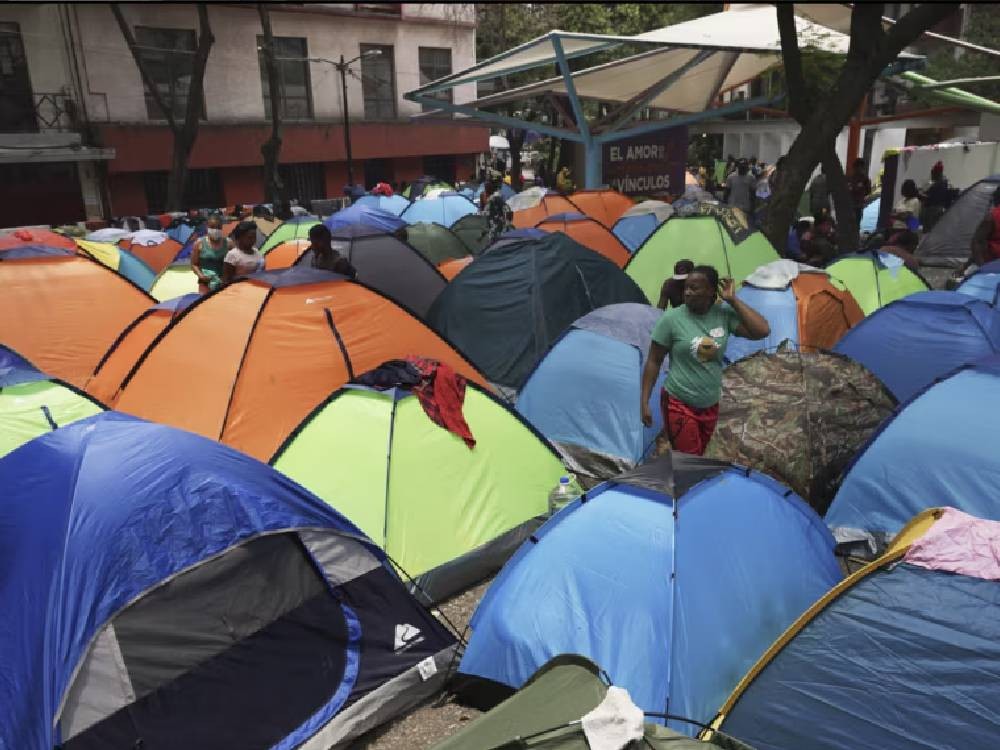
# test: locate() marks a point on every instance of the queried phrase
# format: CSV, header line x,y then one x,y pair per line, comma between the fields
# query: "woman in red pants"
x,y
695,335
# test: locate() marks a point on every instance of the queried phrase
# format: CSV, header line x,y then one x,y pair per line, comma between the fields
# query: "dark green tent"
x,y
435,242
546,713
506,309
472,231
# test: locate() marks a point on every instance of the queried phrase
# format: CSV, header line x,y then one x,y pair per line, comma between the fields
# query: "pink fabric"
x,y
959,543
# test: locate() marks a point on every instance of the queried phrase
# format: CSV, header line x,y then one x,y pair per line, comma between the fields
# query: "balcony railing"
x,y
39,113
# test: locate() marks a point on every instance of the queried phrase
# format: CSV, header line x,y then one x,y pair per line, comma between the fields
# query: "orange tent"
x,y
589,233
62,310
21,237
157,256
452,267
606,206
548,206
285,254
259,354
825,312
134,339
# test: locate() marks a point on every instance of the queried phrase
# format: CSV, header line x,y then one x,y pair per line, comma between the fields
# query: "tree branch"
x,y
910,27
272,148
146,77
196,90
791,57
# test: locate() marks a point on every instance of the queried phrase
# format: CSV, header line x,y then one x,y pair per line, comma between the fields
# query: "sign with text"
x,y
648,164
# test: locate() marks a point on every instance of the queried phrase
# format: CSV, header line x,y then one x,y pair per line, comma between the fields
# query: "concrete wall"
x,y
232,80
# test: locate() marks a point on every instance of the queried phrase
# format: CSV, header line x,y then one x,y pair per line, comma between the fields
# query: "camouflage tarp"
x,y
798,417
733,219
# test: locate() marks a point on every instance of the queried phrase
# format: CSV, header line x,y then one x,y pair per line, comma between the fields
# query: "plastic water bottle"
x,y
564,493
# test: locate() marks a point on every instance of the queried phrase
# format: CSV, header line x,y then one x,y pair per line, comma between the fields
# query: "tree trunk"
x,y
848,231
871,50
515,137
274,188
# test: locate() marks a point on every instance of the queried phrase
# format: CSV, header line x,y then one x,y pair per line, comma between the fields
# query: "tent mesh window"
x,y
190,661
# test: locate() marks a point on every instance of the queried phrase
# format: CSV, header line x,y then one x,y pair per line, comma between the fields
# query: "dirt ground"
x,y
439,717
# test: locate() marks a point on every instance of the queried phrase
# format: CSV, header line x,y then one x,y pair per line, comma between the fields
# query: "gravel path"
x,y
438,718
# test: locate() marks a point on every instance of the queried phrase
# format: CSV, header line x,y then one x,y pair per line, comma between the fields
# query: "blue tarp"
x,y
361,214
15,369
180,233
939,449
445,210
674,609
584,394
632,231
394,204
869,216
906,658
780,308
98,512
984,284
910,342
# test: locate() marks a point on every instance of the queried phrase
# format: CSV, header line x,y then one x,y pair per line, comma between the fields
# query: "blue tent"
x,y
634,230
445,209
910,342
394,204
180,232
869,216
903,655
506,192
268,586
675,607
984,284
939,449
583,395
366,215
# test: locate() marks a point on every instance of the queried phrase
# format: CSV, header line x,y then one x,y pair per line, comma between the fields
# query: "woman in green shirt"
x,y
695,335
207,256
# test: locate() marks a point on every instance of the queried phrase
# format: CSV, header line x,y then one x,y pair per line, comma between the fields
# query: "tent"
x,y
584,394
293,229
435,242
159,586
949,243
875,279
154,248
452,268
134,339
285,255
938,449
122,261
605,206
984,284
20,237
546,713
394,204
472,231
388,265
365,215
180,232
869,216
448,515
798,417
701,239
902,654
803,306
422,184
539,209
674,603
507,308
913,341
288,338
506,192
640,221
445,210
32,403
176,280
589,233
62,309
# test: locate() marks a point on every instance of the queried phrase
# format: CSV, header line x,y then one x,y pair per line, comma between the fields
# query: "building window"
x,y
435,63
303,182
382,9
17,111
168,56
202,189
378,82
293,78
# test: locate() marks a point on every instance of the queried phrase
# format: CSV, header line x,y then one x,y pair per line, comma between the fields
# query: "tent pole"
x,y
594,152
592,149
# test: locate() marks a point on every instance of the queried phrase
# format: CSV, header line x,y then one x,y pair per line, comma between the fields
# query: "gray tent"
x,y
388,265
949,244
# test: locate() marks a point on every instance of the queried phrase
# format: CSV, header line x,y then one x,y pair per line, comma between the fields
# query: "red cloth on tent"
x,y
441,393
383,188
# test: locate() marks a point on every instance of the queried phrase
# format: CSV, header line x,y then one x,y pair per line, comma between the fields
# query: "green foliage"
x,y
983,28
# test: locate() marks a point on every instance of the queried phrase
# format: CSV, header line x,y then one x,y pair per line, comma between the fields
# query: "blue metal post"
x,y
591,148
594,161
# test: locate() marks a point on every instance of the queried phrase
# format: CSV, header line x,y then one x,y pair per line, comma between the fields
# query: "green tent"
x,y
546,713
175,280
702,240
872,283
293,229
472,231
435,242
448,515
32,403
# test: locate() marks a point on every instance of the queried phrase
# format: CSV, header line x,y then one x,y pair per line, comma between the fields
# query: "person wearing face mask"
x,y
243,259
208,254
695,335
